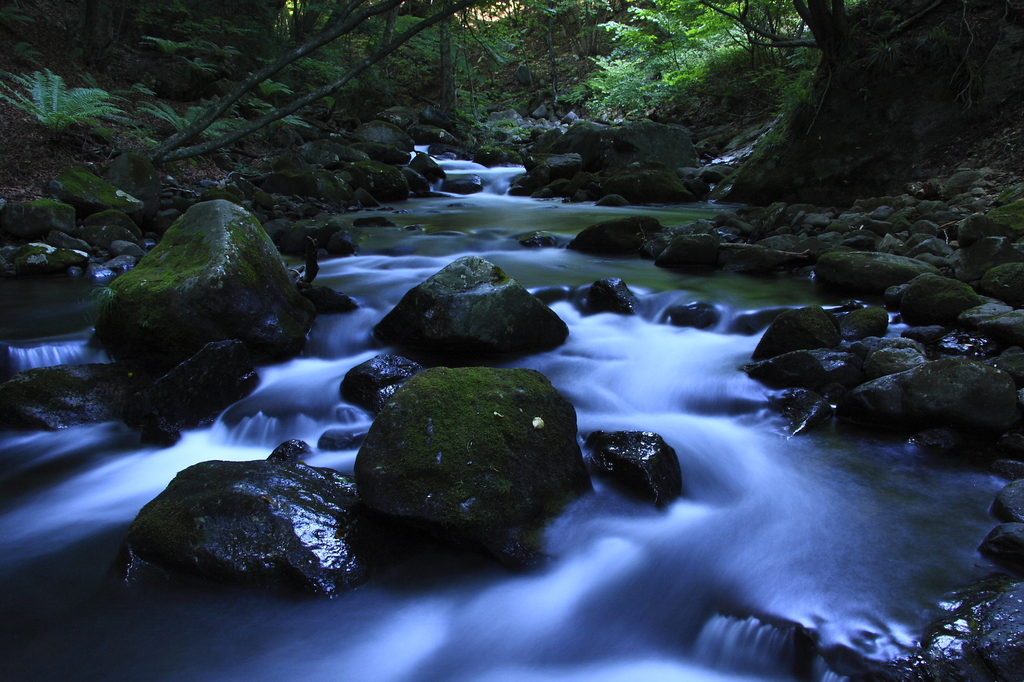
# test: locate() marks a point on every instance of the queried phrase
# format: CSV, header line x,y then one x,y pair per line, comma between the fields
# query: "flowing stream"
x,y
854,535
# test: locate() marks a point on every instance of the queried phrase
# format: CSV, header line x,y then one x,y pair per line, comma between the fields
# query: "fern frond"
x,y
47,98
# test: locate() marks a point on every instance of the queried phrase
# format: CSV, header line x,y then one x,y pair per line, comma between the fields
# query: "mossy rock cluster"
x,y
214,276
480,457
384,182
89,194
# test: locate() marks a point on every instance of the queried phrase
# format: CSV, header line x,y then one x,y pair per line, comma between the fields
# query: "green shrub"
x,y
46,97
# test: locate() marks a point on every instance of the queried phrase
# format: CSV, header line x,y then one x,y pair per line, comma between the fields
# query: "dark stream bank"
x,y
856,536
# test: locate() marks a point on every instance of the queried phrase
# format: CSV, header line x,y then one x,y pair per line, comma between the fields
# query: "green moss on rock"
x,y
89,194
214,276
1010,218
478,456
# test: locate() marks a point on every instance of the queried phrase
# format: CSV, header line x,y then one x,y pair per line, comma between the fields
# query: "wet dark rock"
x,y
926,334
972,317
893,296
1011,361
427,167
1011,469
480,457
979,638
469,184
323,185
613,200
971,263
933,299
864,322
612,148
803,409
966,344
811,369
538,239
1007,329
640,461
617,236
472,306
611,295
328,301
262,524
36,219
339,439
868,272
690,250
214,276
192,394
891,360
954,392
88,194
1005,546
372,383
1009,503
759,260
799,329
648,183
383,181
941,439
382,132
697,314
62,396
291,451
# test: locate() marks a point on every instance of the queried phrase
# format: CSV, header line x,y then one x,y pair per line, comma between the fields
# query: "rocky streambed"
x,y
495,359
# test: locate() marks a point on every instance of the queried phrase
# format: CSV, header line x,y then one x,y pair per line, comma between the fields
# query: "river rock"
x,y
934,299
864,322
690,250
1009,218
478,456
324,153
192,394
383,181
648,183
891,360
640,461
468,184
387,154
382,132
372,383
328,301
292,241
978,638
1005,282
696,314
971,263
760,260
36,219
611,295
425,165
1009,503
868,272
214,276
62,396
1011,361
38,259
89,194
137,176
1005,546
611,149
799,329
616,236
972,317
262,524
1007,328
803,409
322,185
472,306
811,369
954,392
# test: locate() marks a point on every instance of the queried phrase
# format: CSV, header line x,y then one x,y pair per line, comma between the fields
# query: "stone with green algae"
x,y
36,219
89,194
480,457
1010,218
214,276
36,259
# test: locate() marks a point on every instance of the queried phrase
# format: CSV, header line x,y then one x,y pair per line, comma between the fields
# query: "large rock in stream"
x,y
214,276
472,306
273,524
953,392
868,272
480,457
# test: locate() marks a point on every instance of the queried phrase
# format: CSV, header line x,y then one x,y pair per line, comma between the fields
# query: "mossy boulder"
x,y
293,240
382,181
617,236
480,457
1007,328
971,263
966,395
934,299
384,153
382,132
36,219
137,176
800,329
648,183
270,524
868,272
1009,218
89,194
313,185
214,276
864,322
62,396
1005,282
471,306
38,259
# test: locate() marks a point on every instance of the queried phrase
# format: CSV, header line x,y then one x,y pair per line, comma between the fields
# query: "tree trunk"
x,y
828,23
96,30
447,68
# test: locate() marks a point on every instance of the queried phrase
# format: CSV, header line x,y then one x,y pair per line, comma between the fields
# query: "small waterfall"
x,y
750,645
494,180
14,359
